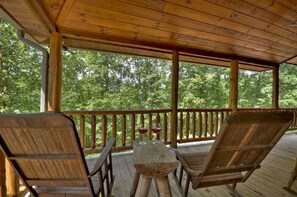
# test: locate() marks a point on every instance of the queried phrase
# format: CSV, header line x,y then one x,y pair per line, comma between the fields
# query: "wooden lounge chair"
x,y
46,153
243,142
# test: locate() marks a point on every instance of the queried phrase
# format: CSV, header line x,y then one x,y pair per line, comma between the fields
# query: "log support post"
x,y
174,98
275,91
2,175
12,180
55,73
233,96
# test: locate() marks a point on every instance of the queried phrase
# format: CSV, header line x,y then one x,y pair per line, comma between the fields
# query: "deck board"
x,y
267,181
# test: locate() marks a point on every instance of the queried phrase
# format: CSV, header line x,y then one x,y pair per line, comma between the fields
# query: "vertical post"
x,y
275,91
174,98
2,175
233,96
55,73
11,180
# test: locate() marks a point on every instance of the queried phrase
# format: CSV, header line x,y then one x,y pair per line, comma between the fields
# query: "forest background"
x,y
105,81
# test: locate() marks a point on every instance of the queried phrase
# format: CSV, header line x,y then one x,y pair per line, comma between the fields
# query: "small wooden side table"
x,y
152,160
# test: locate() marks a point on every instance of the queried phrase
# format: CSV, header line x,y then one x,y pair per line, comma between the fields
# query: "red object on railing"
x,y
156,130
143,130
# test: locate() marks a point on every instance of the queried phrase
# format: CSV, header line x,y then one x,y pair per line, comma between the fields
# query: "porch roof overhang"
x,y
260,34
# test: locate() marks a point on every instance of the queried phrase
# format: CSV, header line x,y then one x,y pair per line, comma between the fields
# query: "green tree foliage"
x,y
19,73
288,86
104,81
255,89
202,86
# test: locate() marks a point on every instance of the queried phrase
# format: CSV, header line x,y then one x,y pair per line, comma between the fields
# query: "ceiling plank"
x,y
228,28
64,12
179,40
144,52
221,16
183,47
25,18
41,11
103,17
53,7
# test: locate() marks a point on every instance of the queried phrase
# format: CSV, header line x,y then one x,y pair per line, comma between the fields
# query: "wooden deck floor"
x,y
266,181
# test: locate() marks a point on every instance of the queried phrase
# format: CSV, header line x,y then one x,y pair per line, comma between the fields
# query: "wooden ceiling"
x,y
259,33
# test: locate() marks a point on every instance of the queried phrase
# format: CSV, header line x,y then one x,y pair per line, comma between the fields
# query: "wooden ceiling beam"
x,y
64,12
171,47
41,12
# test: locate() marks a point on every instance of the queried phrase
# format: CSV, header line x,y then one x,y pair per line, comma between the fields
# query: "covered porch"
x,y
252,35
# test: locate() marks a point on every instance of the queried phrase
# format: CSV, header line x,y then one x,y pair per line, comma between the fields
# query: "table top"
x,y
153,158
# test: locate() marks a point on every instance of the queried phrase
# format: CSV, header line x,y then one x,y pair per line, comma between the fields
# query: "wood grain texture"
x,y
174,97
55,73
254,32
152,158
293,176
233,95
45,151
243,142
2,175
266,181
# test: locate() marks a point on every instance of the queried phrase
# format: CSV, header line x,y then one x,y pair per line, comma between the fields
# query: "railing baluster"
x,y
104,130
205,124
200,124
158,125
222,118
217,123
93,132
114,127
132,128
165,127
194,124
211,124
150,126
82,132
187,125
142,124
181,123
124,129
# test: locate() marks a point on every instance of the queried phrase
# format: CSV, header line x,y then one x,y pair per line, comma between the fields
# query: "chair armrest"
x,y
103,156
185,165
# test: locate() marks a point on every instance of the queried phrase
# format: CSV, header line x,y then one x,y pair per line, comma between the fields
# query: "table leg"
x,y
293,176
143,186
164,187
135,184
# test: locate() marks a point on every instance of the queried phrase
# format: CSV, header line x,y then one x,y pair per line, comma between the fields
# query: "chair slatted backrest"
x,y
244,141
45,150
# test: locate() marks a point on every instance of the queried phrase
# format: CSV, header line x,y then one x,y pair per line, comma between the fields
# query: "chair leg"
x,y
181,175
233,186
187,185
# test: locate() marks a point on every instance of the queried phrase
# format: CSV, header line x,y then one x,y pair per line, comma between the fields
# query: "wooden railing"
x,y
95,127
294,111
200,124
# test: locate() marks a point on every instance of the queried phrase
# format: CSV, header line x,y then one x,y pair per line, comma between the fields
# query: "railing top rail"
x,y
115,112
205,110
256,109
